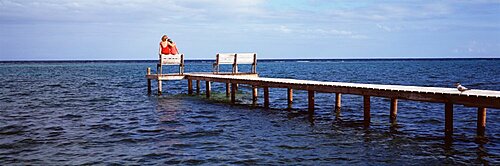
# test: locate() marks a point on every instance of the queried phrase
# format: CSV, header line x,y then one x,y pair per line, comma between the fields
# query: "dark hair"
x,y
164,38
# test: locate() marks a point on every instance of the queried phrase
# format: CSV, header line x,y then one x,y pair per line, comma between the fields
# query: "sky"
x,y
304,29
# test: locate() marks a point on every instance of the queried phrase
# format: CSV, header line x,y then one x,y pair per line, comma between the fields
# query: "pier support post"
x,y
227,90
448,121
481,121
266,97
159,87
233,93
207,88
198,87
310,94
254,95
190,86
338,102
394,110
290,98
148,72
366,108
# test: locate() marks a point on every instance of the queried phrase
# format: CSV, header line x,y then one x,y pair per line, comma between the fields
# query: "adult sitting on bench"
x,y
235,59
169,55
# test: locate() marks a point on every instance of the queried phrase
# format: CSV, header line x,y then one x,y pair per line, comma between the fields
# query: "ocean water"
x,y
99,113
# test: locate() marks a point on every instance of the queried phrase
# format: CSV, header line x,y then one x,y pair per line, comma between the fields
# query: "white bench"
x,y
177,59
235,59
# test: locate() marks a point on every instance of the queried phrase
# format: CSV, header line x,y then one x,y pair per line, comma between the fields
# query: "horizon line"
x,y
203,59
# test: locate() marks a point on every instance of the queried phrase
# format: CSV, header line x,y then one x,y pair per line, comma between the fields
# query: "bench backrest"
x,y
176,59
235,59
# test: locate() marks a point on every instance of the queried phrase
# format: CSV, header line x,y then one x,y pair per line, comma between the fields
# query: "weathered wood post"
x,y
197,87
254,95
207,88
481,121
290,98
148,72
337,102
227,90
159,87
266,97
448,121
394,110
190,86
233,93
366,110
310,96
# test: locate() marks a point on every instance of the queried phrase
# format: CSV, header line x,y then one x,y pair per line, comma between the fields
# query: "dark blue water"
x,y
60,113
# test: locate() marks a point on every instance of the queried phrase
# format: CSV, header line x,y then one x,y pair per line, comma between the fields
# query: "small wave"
x,y
12,130
303,61
70,116
294,147
202,133
149,130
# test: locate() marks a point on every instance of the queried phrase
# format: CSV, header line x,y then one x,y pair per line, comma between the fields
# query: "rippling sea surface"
x,y
66,113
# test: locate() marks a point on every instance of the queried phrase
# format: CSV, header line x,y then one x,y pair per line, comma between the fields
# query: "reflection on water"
x,y
100,113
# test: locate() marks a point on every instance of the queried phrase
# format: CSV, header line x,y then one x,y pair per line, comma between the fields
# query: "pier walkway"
x,y
481,99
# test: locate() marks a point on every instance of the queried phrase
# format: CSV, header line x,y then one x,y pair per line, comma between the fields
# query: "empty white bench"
x,y
177,59
235,59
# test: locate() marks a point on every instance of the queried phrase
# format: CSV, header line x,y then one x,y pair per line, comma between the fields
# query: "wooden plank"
x,y
290,98
366,110
266,97
310,97
350,88
448,121
481,121
245,58
233,93
394,110
207,89
226,58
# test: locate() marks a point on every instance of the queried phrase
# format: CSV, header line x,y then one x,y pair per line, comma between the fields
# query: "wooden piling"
x,y
310,95
366,108
207,88
227,90
233,93
198,87
190,86
290,98
148,72
337,102
254,95
448,121
266,97
394,110
159,87
481,121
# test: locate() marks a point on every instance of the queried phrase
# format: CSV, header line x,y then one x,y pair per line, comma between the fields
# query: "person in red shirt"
x,y
167,46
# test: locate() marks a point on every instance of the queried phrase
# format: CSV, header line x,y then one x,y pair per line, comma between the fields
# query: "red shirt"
x,y
165,50
173,50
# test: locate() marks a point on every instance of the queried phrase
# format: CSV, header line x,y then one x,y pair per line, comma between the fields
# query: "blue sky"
x,y
131,29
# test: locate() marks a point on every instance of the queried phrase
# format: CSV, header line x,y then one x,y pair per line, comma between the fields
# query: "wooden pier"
x,y
480,99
